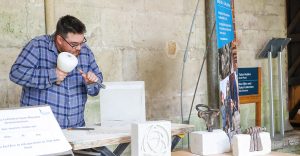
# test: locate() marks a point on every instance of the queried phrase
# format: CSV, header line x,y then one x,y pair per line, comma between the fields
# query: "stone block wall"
x,y
257,22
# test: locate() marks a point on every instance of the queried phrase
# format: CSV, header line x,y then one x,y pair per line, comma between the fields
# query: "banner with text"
x,y
229,95
224,26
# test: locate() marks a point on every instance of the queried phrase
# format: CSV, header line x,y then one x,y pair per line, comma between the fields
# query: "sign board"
x,y
31,131
250,89
248,81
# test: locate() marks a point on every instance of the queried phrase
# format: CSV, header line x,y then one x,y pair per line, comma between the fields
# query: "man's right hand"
x,y
60,76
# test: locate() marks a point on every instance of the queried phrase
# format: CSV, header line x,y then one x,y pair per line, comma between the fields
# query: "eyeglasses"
x,y
74,45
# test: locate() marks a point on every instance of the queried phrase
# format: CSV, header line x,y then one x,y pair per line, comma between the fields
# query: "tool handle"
x,y
101,85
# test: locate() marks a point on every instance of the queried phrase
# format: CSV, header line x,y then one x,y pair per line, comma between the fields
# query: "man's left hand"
x,y
89,77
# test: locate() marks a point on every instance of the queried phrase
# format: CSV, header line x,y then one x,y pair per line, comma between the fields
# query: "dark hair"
x,y
69,24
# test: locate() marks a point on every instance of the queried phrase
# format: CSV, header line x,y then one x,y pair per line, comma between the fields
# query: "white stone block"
x,y
152,138
241,144
122,103
206,143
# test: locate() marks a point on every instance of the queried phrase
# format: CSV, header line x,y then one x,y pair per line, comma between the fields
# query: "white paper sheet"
x,y
30,131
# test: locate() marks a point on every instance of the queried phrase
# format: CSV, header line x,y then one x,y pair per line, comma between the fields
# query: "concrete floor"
x,y
289,145
184,153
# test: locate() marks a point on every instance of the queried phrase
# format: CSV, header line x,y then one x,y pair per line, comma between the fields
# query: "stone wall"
x,y
256,23
20,21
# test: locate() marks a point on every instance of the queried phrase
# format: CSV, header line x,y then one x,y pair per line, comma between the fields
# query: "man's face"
x,y
72,43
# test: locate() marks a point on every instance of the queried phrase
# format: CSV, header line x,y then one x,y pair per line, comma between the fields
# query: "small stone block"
x,y
206,143
241,144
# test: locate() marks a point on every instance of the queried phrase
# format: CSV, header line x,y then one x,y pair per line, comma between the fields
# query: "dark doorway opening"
x,y
293,32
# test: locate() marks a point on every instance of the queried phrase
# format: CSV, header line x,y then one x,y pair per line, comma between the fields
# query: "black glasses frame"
x,y
74,46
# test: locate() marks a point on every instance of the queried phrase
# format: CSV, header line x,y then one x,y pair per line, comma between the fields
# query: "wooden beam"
x,y
294,37
294,23
294,67
293,81
293,112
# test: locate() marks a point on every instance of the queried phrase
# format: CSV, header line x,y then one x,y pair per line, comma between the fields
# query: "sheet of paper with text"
x,y
31,131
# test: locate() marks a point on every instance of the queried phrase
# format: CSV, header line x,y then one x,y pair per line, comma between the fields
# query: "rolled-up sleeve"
x,y
93,89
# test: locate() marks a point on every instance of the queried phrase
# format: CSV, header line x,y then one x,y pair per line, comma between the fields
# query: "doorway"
x,y
293,32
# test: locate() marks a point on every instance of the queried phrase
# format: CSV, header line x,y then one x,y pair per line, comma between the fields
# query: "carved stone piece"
x,y
208,114
255,141
250,131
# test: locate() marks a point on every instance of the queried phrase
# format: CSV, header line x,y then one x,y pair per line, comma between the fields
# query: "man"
x,y
43,83
223,110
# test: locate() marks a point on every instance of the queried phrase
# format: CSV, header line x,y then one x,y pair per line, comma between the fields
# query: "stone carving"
x,y
255,141
156,140
208,115
151,138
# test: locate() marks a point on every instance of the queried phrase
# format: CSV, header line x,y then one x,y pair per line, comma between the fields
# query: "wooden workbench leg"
x,y
258,114
120,149
104,151
175,140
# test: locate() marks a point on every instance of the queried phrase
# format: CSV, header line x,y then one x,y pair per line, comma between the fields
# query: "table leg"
x,y
120,149
104,151
175,140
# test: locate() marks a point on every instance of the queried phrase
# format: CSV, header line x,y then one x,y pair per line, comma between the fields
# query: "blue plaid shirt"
x,y
34,69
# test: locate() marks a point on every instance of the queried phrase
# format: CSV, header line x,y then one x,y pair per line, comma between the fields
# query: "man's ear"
x,y
59,40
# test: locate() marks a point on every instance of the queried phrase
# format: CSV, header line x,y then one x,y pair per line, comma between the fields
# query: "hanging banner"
x,y
229,95
224,25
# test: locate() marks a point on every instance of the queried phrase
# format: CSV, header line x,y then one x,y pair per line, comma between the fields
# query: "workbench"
x,y
96,140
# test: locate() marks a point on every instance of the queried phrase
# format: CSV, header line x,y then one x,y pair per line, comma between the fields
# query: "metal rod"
x,y
183,63
280,93
271,93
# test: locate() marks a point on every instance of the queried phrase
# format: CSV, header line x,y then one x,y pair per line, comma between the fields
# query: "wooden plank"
x,y
294,66
294,81
294,23
294,96
112,135
294,37
258,104
181,128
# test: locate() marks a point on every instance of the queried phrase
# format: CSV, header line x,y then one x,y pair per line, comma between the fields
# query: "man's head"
x,y
69,34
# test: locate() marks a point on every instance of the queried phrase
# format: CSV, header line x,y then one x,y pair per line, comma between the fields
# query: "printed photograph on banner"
x,y
229,105
227,61
234,55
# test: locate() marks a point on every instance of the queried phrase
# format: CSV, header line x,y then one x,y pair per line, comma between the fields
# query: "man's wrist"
x,y
52,75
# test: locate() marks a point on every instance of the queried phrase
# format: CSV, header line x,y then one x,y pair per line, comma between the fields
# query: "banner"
x,y
224,25
229,95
